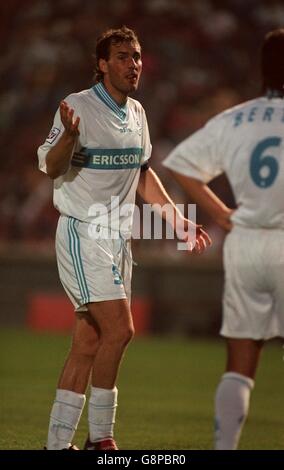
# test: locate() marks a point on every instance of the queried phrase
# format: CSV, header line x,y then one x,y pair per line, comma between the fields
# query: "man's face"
x,y
123,68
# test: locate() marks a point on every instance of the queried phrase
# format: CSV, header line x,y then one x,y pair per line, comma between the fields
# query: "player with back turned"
x,y
98,153
247,144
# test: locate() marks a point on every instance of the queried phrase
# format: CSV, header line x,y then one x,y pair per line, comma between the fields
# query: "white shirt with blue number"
x,y
247,143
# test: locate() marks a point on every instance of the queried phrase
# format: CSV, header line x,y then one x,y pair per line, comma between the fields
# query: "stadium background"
x,y
199,57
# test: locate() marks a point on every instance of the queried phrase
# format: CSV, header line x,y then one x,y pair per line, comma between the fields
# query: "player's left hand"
x,y
203,240
194,235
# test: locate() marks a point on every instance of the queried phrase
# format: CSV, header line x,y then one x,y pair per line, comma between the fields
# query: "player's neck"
x,y
119,97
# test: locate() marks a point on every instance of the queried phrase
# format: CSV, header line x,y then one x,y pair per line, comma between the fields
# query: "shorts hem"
x,y
253,336
98,299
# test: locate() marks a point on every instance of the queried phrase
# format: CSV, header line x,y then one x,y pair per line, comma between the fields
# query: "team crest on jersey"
x,y
124,129
52,135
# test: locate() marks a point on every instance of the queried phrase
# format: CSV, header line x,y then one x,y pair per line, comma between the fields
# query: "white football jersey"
x,y
247,143
112,146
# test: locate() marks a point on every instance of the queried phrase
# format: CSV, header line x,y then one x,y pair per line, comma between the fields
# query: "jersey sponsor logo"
x,y
108,159
53,135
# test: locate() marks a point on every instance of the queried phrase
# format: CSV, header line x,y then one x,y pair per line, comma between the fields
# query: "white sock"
x,y
231,409
102,410
64,419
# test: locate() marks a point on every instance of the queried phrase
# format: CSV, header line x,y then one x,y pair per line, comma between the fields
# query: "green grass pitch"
x,y
166,392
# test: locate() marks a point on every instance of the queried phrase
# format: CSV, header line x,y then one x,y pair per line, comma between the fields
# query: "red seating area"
x,y
54,313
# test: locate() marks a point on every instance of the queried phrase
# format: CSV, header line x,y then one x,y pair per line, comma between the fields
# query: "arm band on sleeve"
x,y
145,167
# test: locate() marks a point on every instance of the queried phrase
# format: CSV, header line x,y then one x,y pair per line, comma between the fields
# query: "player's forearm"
x,y
153,192
58,157
206,199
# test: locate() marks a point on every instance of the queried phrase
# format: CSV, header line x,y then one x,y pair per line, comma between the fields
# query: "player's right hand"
x,y
70,124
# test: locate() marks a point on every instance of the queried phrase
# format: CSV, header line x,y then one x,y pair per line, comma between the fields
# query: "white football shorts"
x,y
253,301
93,264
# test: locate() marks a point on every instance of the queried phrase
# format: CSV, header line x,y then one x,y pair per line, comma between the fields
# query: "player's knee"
x,y
120,336
125,335
129,333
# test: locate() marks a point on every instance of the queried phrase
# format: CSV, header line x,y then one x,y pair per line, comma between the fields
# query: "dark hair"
x,y
109,37
272,60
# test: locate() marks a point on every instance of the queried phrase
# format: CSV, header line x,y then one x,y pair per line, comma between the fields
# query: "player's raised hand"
x,y
70,124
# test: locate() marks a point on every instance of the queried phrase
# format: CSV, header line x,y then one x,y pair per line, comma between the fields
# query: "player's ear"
x,y
103,65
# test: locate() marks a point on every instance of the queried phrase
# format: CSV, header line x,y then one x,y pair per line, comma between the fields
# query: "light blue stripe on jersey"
x,y
74,245
108,159
107,99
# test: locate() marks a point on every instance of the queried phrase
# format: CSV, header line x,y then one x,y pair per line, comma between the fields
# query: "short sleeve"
x,y
200,155
146,143
54,134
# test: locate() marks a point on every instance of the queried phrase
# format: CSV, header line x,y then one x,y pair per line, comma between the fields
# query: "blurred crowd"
x,y
199,58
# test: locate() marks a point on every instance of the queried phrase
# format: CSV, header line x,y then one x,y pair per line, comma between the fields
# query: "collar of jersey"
x,y
105,97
